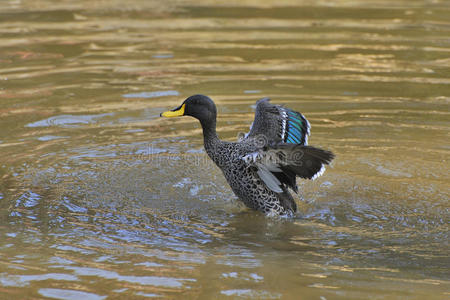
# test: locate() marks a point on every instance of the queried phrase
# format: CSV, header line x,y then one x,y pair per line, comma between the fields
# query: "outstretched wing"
x,y
279,124
278,166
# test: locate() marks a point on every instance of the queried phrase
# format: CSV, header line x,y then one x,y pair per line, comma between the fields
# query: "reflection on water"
x,y
100,198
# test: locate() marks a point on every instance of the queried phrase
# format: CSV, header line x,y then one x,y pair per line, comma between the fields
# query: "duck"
x,y
262,166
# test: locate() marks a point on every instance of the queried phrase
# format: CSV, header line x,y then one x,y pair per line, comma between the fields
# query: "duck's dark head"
x,y
198,106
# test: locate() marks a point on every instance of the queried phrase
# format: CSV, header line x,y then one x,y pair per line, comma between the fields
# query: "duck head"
x,y
198,106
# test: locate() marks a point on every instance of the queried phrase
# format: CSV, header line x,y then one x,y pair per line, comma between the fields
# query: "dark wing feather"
x,y
284,155
279,124
306,161
279,165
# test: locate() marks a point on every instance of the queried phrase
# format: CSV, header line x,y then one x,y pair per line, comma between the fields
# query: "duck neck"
x,y
210,138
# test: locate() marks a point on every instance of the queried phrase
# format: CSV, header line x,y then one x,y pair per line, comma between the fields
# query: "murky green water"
x,y
100,198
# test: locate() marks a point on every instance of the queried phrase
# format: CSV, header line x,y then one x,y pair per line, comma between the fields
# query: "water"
x,y
100,198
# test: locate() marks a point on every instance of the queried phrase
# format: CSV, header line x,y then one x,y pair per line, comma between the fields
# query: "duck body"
x,y
262,166
244,180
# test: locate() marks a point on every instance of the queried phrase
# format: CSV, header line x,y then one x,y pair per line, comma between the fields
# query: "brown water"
x,y
100,198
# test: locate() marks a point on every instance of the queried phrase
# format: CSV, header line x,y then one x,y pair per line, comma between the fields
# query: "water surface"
x,y
102,199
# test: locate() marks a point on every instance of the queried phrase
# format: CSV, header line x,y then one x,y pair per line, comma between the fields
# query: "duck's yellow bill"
x,y
177,112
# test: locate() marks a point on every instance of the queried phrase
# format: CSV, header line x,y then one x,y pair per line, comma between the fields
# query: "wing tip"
x,y
319,173
265,99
